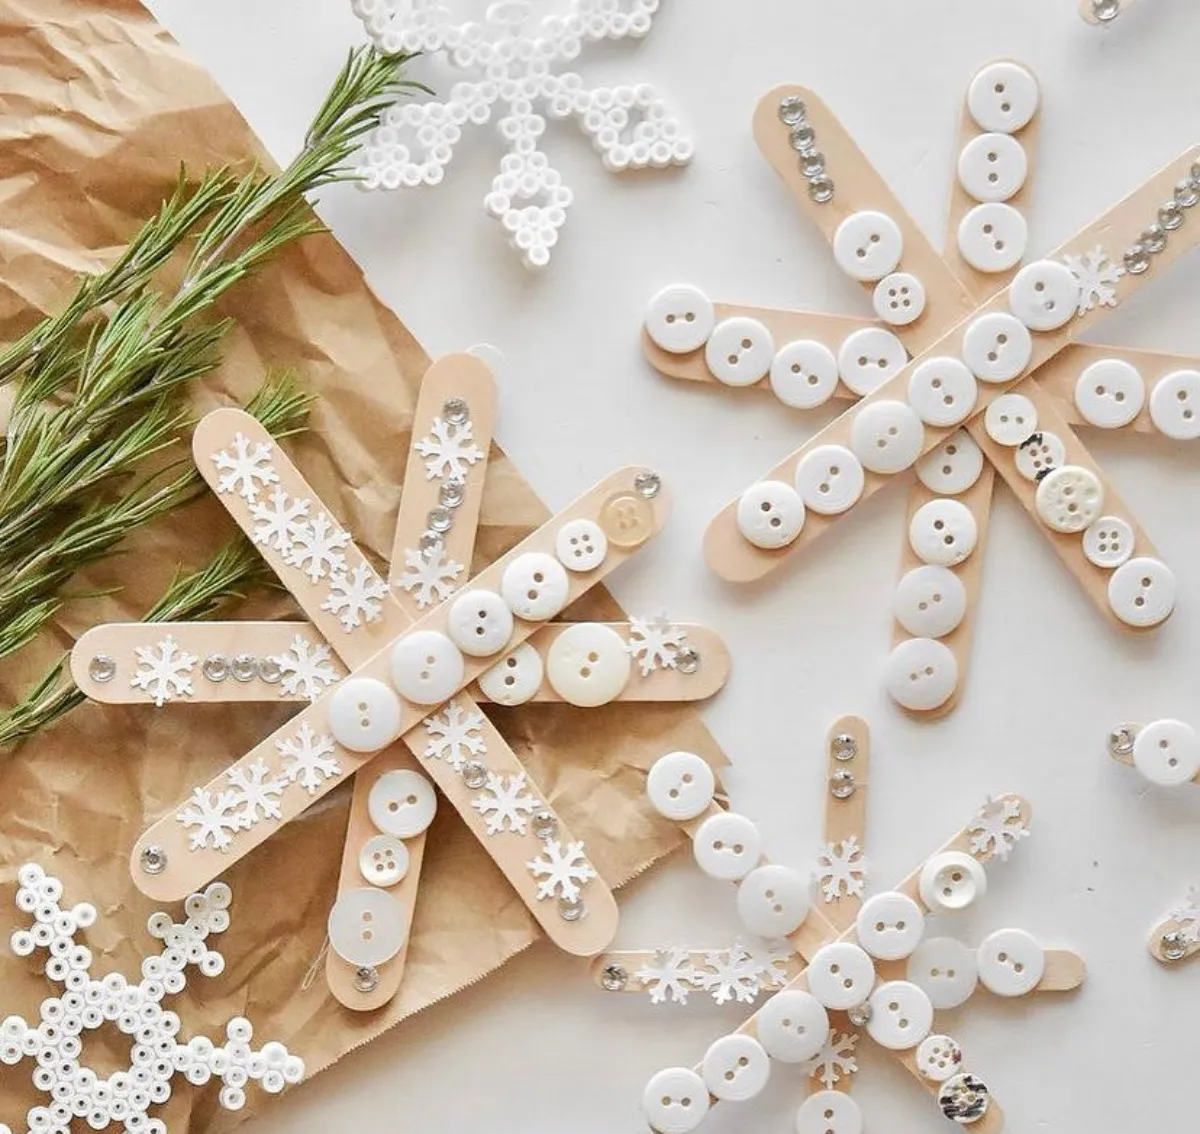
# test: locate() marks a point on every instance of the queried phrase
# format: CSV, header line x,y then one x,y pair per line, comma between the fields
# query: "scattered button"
x,y
869,357
1041,453
993,238
581,545
515,678
901,1015
402,803
427,667
952,881
770,514
1011,963
588,664
675,1101
1003,97
829,1112
829,479
947,971
890,926
793,1026
367,927
804,374
942,391
938,1058
535,586
364,715
383,861
841,975
1110,393
727,846
868,245
773,901
943,532
997,347
739,351
1044,295
1175,405
887,436
680,319
1069,498
735,1068
1108,542
921,674
930,602
680,786
479,623
953,466
1141,592
899,299
1167,753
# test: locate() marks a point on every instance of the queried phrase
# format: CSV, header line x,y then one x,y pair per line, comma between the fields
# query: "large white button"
x,y
427,667
942,391
1175,405
992,167
515,678
899,299
1167,753
1069,498
1041,453
997,347
930,602
964,1099
675,1101
1142,592
1011,962
402,803
383,860
890,926
868,245
535,586
364,714
829,479
739,351
581,545
479,623
793,1026
829,1112
868,358
1010,420
993,238
804,374
953,466
951,881
727,846
943,532
770,514
921,674
735,1068
1110,393
680,786
901,1015
588,664
773,901
1108,542
887,436
1003,97
947,971
1044,295
938,1057
841,975
367,927
680,318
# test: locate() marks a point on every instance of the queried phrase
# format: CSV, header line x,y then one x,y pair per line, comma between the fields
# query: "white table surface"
x,y
537,1047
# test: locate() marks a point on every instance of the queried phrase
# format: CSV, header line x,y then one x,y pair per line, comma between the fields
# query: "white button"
x,y
1041,453
890,926
675,1101
735,1068
680,319
1003,97
899,299
1167,753
887,436
581,545
993,238
1142,592
1011,963
829,479
841,975
930,602
364,715
868,245
588,665
946,970
793,1026
964,1099
1044,295
680,786
383,860
938,1057
402,803
1069,498
535,586
770,514
992,167
804,374
997,347
727,846
951,881
942,391
773,901
367,927
1110,393
1175,405
1010,420
829,1112
479,623
921,674
515,678
901,1015
943,532
952,467
1108,542
739,351
868,358
427,667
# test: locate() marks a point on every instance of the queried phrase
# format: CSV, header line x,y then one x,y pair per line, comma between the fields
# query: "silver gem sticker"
x,y
842,784
648,484
1174,946
570,911
440,520
1120,740
545,825
244,667
456,411
152,860
687,660
102,668
792,110
614,978
474,774
452,494
366,979
215,667
270,670
845,747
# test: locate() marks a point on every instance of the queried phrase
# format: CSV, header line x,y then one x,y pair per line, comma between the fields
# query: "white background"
x,y
538,1048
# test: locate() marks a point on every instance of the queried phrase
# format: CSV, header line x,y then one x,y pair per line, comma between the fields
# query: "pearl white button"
x,y
383,861
770,514
899,299
535,586
868,245
793,1026
773,901
841,975
887,436
952,881
942,391
427,668
1175,405
890,926
1010,420
1011,963
921,674
829,1112
1003,97
1069,498
588,665
479,623
930,602
943,532
946,970
1167,753
1142,592
367,927
1041,453
901,1015
581,545
993,238
997,347
1108,542
364,714
727,846
402,803
964,1099
675,1101
680,786
515,678
868,358
938,1057
953,466
1110,393
739,351
680,318
992,167
1044,295
735,1068
804,374
829,479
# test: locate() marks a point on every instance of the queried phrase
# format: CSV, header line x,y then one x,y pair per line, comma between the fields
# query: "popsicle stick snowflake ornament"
x,y
390,677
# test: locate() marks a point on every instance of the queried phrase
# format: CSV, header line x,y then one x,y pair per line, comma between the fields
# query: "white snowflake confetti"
x,y
730,974
1188,916
1097,277
256,793
317,548
356,597
454,736
835,1060
163,671
278,523
506,803
997,828
670,973
562,870
212,819
654,642
451,450
306,669
246,468
771,958
309,759
842,870
429,576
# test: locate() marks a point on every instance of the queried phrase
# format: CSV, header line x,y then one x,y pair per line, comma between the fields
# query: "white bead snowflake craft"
x,y
164,671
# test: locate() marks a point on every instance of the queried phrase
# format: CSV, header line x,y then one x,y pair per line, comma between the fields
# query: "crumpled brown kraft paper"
x,y
97,108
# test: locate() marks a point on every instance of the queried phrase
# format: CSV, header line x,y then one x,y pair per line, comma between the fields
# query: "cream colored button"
x,y
829,1112
1167,753
735,1068
402,803
1110,393
887,436
1041,453
364,714
680,318
581,545
997,347
868,245
1108,542
680,786
770,514
868,358
792,1026
675,1101
773,901
1004,97
841,975
1011,420
1044,295
829,479
367,927
383,861
427,668
947,971
890,926
1011,963
1175,405
1141,592
727,846
921,674
804,374
993,238
588,665
953,466
930,602
1069,498
899,299
535,586
627,520
739,351
942,391
515,678
901,1015
479,623
943,532
952,881
938,1057
992,167
964,1099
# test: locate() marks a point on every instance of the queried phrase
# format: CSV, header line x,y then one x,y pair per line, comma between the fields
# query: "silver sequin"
x,y
842,784
153,860
215,667
648,484
456,411
614,978
244,667
102,668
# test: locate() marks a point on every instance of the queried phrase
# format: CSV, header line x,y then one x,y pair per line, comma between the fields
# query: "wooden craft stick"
x,y
848,766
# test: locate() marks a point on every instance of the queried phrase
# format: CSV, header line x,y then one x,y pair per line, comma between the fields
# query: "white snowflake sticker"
x,y
164,671
356,597
834,1062
256,793
278,523
317,548
997,828
1097,277
212,818
451,451
730,974
654,643
454,736
842,870
429,575
309,759
306,669
245,468
562,870
506,803
670,973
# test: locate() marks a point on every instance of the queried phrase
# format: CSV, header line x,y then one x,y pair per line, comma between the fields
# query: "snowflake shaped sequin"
x,y
654,643
256,793
562,870
1188,916
842,870
305,669
730,974
670,973
453,736
317,548
834,1062
278,523
308,758
770,958
429,575
212,818
245,468
997,828
356,597
1097,277
506,803
451,451
164,671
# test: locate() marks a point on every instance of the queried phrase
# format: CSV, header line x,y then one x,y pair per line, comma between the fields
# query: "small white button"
x,y
993,238
829,479
773,901
1044,295
899,299
901,1015
383,860
1069,498
829,1112
997,347
1167,753
947,971
942,391
1175,405
868,358
793,1026
535,586
1010,420
804,374
1110,393
943,532
680,786
1003,97
479,623
739,351
427,668
938,1057
887,436
921,674
770,514
367,927
402,803
581,545
727,846
675,1101
1108,542
964,1099
841,975
930,602
952,881
515,678
953,466
868,245
1041,453
735,1068
680,319
1142,592
890,926
364,714
992,167
588,665
1011,963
